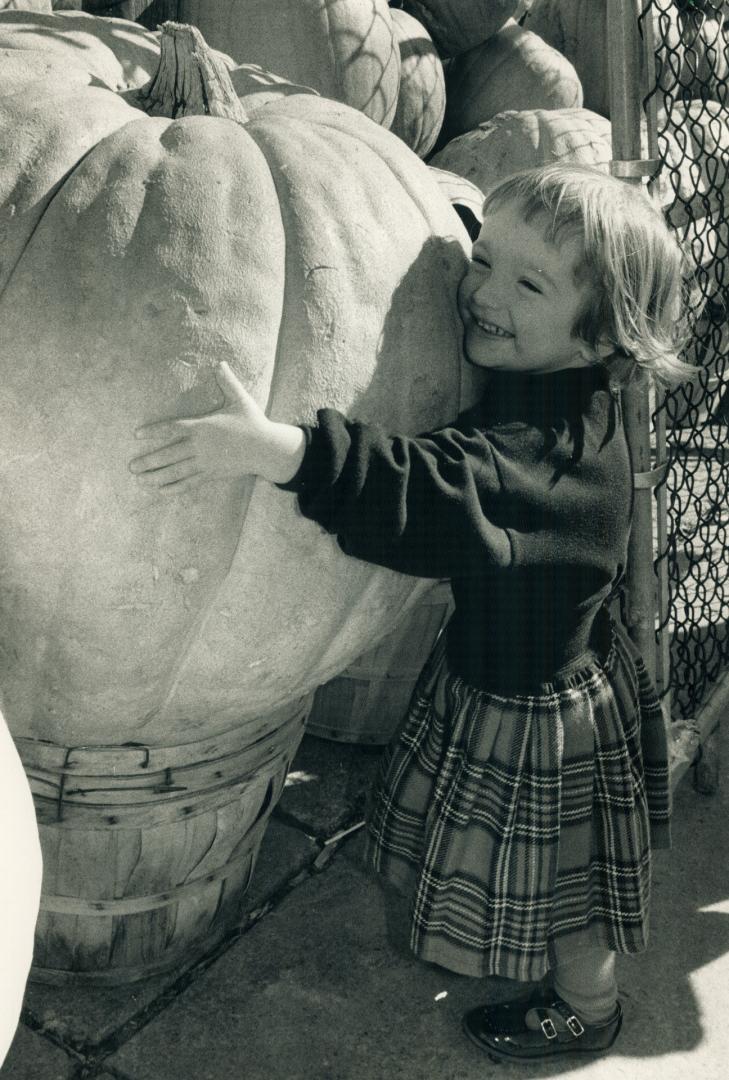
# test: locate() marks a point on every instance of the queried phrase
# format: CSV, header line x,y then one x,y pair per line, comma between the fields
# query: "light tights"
x,y
586,981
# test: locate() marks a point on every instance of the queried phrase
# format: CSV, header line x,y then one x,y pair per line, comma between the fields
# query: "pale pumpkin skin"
x,y
20,885
118,53
344,49
691,46
516,140
514,69
577,29
466,198
26,5
124,56
312,251
421,99
457,25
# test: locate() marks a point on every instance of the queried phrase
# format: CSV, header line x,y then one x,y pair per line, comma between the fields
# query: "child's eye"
x,y
481,261
530,285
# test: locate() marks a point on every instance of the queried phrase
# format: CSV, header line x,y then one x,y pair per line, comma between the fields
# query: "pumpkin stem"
x,y
191,80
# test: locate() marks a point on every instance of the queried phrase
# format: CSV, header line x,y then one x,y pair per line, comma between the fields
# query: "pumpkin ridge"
x,y
177,671
279,370
336,65
421,100
196,627
56,190
391,163
259,122
194,631
186,56
262,149
33,176
359,51
385,158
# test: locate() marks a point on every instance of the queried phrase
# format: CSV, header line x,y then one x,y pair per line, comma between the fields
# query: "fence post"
x,y
663,596
625,81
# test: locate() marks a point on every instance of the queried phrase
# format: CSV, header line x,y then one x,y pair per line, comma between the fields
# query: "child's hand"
x,y
234,441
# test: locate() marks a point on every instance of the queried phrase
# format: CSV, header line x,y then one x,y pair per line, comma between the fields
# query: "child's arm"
x,y
235,440
418,505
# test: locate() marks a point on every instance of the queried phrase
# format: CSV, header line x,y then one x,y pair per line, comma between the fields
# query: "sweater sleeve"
x,y
426,506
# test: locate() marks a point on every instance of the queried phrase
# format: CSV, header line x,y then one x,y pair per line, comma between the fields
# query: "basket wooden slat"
x,y
146,880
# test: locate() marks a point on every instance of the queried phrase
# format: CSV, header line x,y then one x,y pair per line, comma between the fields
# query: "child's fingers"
x,y
170,474
229,382
181,486
161,430
160,459
236,395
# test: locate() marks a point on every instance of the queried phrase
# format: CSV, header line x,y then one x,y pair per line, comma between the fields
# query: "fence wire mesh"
x,y
687,109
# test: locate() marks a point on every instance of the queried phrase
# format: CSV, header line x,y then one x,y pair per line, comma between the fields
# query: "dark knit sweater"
x,y
524,503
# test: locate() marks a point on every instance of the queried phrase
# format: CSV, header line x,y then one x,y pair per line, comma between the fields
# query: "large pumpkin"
x,y
516,140
690,45
299,247
457,25
345,49
514,69
157,649
421,99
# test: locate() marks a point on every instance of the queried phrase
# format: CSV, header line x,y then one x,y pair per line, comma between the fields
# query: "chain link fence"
x,y
686,56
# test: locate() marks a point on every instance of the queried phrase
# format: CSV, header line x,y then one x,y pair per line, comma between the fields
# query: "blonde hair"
x,y
643,292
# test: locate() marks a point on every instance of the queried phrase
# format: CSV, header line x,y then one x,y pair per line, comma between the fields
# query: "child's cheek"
x,y
465,289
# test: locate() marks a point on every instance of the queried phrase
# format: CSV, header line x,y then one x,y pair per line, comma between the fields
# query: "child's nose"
x,y
490,291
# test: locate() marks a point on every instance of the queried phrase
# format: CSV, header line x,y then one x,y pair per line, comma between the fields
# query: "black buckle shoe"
x,y
501,1030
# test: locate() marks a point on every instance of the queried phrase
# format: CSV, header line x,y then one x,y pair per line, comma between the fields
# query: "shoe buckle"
x,y
575,1026
548,1028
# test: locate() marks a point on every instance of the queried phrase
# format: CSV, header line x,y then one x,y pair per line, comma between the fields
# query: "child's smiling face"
x,y
519,300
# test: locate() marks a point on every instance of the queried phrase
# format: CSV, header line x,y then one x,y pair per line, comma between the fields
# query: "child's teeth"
x,y
491,328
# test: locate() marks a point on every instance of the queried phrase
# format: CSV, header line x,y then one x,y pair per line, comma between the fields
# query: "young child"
x,y
521,798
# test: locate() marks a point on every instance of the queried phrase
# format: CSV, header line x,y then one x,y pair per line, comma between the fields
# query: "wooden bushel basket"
x,y
148,850
367,702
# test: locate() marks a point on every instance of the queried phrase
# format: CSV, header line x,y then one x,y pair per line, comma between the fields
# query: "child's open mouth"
x,y
492,328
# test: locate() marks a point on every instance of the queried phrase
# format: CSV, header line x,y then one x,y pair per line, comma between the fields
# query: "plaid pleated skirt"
x,y
523,825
